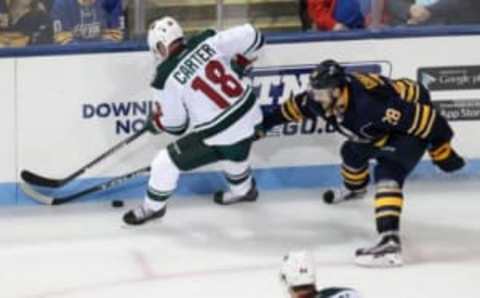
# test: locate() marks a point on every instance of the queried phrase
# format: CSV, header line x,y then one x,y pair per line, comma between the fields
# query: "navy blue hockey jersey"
x,y
370,108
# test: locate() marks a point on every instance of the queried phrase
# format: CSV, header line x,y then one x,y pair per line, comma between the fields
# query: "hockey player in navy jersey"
x,y
87,20
298,275
390,121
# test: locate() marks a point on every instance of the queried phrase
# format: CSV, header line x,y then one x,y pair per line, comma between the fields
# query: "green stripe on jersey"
x,y
168,66
254,45
229,117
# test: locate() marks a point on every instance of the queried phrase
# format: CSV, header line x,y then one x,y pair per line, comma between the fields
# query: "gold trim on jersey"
x,y
294,109
424,119
389,201
415,120
430,125
354,176
291,111
369,80
343,100
382,141
442,152
426,110
407,89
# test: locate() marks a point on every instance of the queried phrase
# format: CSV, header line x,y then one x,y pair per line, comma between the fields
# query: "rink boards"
x,y
61,111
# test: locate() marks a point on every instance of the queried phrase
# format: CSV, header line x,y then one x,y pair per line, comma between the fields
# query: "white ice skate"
x,y
386,253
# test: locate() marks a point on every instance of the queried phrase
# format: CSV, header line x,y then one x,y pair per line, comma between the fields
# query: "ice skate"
x,y
141,215
228,198
386,253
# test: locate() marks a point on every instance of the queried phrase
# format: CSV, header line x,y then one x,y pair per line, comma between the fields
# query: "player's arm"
x,y
168,114
245,40
295,109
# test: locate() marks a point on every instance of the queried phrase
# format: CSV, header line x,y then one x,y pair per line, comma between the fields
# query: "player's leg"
x,y
394,162
241,184
354,172
163,179
185,154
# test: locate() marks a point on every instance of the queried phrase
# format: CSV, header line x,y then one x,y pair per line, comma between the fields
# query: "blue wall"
x,y
207,183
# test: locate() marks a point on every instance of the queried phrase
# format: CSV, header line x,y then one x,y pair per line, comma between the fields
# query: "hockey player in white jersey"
x,y
298,275
197,90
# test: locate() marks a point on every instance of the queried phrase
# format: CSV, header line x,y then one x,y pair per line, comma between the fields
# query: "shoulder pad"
x,y
378,87
407,89
370,80
198,38
166,67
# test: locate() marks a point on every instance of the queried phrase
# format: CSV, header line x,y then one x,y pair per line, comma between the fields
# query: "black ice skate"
x,y
334,196
386,253
227,198
140,215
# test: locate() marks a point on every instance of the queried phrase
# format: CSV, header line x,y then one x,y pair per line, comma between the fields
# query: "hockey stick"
x,y
36,179
51,200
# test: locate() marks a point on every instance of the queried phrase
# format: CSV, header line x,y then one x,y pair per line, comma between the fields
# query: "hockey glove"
x,y
446,158
153,123
242,65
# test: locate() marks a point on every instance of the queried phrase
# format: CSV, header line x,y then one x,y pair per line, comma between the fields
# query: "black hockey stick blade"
x,y
52,200
35,179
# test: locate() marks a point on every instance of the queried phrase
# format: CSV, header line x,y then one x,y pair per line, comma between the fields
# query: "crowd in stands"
x,y
339,15
33,22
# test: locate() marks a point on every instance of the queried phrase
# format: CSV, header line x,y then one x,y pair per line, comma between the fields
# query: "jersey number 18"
x,y
216,74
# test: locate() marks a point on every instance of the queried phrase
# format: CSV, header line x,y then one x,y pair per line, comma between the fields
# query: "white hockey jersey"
x,y
198,87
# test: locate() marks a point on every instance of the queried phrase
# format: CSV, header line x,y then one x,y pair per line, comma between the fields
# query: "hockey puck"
x,y
328,197
117,203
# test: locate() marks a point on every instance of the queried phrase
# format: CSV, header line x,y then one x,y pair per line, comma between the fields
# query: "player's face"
x,y
301,293
323,96
160,52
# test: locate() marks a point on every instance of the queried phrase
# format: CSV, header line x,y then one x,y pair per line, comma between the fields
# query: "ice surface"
x,y
203,250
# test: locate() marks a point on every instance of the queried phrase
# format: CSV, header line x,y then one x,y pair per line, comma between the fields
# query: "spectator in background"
x,y
3,15
433,12
303,14
335,15
87,20
449,12
375,13
24,22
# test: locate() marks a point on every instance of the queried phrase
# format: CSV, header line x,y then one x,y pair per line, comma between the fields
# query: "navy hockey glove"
x,y
446,158
153,123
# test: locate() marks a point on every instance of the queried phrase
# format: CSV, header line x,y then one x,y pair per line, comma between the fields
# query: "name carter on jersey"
x,y
188,67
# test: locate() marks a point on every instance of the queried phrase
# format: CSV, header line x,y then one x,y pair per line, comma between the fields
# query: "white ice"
x,y
199,249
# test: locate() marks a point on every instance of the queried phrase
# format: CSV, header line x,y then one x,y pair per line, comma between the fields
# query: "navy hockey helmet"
x,y
328,74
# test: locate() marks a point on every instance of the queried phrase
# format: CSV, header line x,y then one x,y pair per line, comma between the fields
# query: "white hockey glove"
x,y
153,123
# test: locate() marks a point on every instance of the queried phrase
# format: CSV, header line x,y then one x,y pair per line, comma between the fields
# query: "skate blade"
x,y
386,261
